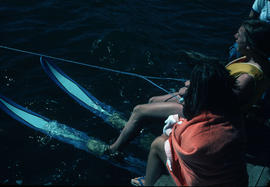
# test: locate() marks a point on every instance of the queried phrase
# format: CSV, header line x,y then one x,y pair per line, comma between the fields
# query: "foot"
x,y
116,155
96,147
117,121
138,181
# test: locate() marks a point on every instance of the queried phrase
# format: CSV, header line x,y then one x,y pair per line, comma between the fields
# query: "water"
x,y
146,37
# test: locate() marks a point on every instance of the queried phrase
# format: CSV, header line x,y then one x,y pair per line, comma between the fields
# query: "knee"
x,y
137,112
152,99
137,109
158,144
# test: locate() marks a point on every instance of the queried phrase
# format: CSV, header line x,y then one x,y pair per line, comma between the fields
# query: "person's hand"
x,y
187,83
182,91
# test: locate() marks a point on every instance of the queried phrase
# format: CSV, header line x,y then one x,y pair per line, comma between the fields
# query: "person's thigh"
x,y
160,110
158,145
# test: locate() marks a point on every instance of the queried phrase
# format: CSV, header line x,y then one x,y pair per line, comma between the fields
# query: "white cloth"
x,y
167,129
262,7
169,122
168,151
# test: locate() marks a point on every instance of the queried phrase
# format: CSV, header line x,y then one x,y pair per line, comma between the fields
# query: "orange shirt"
x,y
207,150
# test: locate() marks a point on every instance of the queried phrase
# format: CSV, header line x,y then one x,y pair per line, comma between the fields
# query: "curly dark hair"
x,y
258,36
211,89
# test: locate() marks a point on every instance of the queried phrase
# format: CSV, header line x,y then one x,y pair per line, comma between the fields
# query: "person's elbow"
x,y
246,87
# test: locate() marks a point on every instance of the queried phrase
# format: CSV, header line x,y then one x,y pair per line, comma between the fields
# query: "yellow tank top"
x,y
239,67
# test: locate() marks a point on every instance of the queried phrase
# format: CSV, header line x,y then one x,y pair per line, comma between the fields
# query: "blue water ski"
x,y
81,95
68,135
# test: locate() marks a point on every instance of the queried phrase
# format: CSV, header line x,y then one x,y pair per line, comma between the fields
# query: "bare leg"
x,y
156,161
156,112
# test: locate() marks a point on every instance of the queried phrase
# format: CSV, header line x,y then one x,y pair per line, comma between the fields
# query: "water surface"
x,y
146,37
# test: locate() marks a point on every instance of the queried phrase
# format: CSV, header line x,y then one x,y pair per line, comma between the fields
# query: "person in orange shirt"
x,y
207,146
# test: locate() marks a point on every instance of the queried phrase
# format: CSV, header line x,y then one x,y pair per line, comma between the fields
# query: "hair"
x,y
211,89
258,36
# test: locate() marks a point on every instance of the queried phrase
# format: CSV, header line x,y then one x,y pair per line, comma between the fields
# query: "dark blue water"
x,y
147,37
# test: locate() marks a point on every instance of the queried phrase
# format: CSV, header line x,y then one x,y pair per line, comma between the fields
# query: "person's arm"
x,y
183,90
172,97
256,9
253,14
246,88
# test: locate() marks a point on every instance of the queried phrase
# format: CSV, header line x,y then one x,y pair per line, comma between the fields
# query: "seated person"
x,y
207,146
259,11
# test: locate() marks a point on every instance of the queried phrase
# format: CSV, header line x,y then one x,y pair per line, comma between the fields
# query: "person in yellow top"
x,y
252,72
258,83
253,69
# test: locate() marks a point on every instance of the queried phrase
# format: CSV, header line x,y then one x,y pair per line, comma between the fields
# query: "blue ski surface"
x,y
68,135
81,95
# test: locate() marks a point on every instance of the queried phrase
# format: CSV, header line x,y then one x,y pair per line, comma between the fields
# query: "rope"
x,y
98,67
